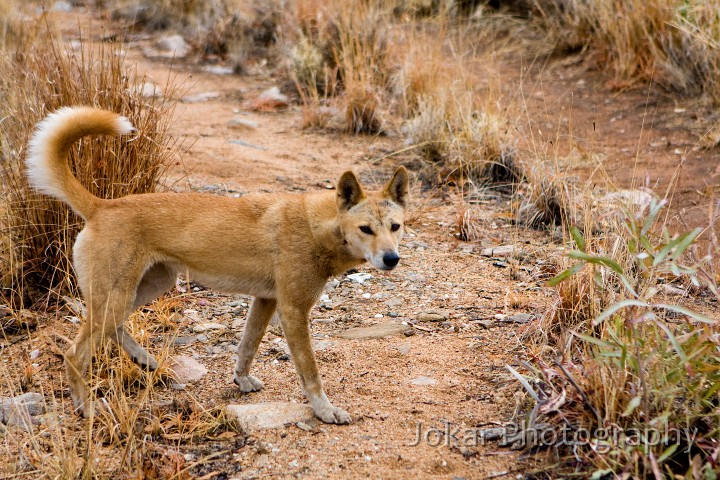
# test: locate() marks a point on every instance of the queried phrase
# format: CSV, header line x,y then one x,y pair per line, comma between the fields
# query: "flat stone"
x,y
519,318
174,44
376,331
242,124
431,316
263,416
500,251
394,302
21,411
273,95
200,97
148,90
204,327
185,340
219,70
360,277
403,349
423,381
186,369
322,345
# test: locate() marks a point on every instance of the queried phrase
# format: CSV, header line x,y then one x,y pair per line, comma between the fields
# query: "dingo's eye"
x,y
366,229
395,227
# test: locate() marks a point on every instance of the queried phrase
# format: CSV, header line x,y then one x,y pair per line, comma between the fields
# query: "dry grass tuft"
x,y
39,231
672,43
621,356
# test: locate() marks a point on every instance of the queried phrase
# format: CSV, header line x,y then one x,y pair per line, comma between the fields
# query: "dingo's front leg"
x,y
296,328
260,313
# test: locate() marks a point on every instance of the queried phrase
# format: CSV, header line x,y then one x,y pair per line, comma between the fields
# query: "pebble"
x,y
200,97
423,381
360,277
185,340
501,251
204,327
431,316
219,70
186,369
21,411
273,95
174,44
148,90
243,124
394,302
519,318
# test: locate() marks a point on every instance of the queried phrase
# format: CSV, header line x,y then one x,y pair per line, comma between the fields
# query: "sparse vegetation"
x,y
615,354
670,42
637,373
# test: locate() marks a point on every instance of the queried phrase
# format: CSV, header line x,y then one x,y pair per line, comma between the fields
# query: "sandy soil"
x,y
464,355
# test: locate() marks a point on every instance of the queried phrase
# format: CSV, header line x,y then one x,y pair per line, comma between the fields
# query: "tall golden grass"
x,y
674,43
37,231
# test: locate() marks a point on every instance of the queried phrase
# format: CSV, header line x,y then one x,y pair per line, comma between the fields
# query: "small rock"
x,y
304,426
501,251
273,95
519,318
204,327
423,381
200,97
148,90
492,433
270,415
238,303
431,316
360,277
202,338
219,70
293,464
20,411
394,302
376,331
673,290
483,323
243,124
174,44
403,349
186,369
184,341
322,345
393,314
34,354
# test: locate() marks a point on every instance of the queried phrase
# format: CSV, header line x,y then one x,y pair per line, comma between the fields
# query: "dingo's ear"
x,y
397,188
349,191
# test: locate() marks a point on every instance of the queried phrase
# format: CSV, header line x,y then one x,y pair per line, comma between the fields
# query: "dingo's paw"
x,y
248,383
333,414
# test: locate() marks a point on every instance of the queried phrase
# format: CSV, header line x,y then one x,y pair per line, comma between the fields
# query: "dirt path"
x,y
448,375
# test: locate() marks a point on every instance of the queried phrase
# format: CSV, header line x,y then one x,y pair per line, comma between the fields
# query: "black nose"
x,y
391,259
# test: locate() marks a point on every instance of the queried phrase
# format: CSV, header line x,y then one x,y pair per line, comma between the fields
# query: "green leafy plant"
x,y
640,385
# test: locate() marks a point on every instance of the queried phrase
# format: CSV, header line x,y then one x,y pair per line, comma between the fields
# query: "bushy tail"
x,y
47,165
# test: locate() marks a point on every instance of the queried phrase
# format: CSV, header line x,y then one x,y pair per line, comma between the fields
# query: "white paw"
x,y
248,383
333,414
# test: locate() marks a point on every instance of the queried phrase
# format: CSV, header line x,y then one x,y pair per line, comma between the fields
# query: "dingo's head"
x,y
373,223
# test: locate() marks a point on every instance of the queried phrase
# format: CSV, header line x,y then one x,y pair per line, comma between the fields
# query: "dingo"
x,y
280,248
